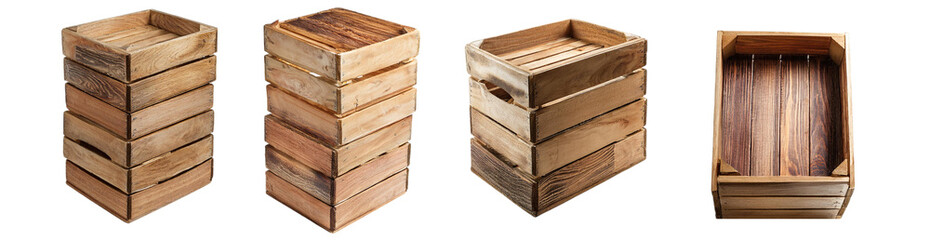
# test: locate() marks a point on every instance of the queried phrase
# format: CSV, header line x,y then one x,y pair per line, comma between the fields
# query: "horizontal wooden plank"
x,y
781,213
333,218
733,203
126,153
782,188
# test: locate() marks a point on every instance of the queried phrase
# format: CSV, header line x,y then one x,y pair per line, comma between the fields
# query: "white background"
x,y
668,195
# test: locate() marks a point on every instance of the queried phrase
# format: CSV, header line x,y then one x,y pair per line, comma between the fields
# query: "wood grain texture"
x,y
794,128
340,44
335,130
782,186
535,75
333,218
333,191
569,145
733,203
766,104
826,117
143,176
788,45
143,122
134,96
736,112
334,161
340,99
129,153
131,207
540,194
781,213
536,125
134,46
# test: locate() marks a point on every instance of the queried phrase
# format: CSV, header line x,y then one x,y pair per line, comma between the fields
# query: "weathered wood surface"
x,y
340,44
544,157
537,195
137,45
143,122
334,218
336,130
782,186
131,97
313,153
144,175
795,110
131,207
536,125
340,99
130,153
780,213
564,58
333,191
734,203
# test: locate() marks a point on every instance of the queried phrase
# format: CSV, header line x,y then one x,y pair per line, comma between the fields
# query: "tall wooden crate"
x,y
556,110
782,126
341,99
139,120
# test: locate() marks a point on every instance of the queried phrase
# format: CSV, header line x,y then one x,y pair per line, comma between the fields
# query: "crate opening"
x,y
497,91
93,149
551,44
138,30
343,30
782,114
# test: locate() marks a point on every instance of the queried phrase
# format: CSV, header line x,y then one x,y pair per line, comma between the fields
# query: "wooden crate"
x,y
132,97
335,190
537,194
333,218
340,98
142,122
539,65
130,153
130,207
539,159
537,124
134,46
334,161
334,129
144,175
782,126
341,45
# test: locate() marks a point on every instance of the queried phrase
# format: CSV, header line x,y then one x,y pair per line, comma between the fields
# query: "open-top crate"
x,y
136,45
545,63
782,126
340,44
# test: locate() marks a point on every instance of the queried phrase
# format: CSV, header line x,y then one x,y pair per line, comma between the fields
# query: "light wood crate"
x,y
782,126
541,64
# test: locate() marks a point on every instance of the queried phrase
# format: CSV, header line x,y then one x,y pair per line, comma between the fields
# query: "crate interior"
x,y
552,44
138,30
783,101
343,30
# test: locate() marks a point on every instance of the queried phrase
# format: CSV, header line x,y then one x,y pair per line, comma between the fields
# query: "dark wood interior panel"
x,y
737,97
766,103
781,115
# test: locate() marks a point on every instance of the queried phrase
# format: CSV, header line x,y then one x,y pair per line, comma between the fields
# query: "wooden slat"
x,y
142,122
99,192
766,103
782,186
781,213
164,193
736,113
733,203
368,174
795,118
538,195
562,56
537,48
298,200
596,34
555,81
146,60
825,115
525,38
173,24
131,153
554,50
783,44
